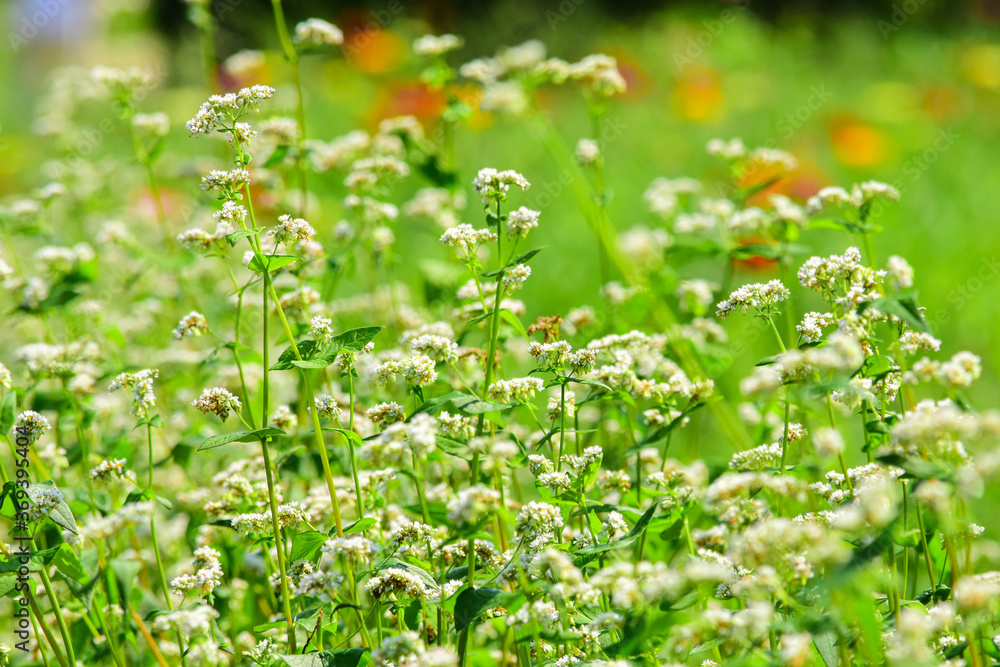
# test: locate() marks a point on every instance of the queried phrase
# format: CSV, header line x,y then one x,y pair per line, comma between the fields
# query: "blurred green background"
x,y
905,92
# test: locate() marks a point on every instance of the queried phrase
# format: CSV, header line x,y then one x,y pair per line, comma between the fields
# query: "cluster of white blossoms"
x,y
318,32
192,324
207,574
437,45
220,109
762,297
31,425
516,389
292,230
521,221
217,401
467,239
417,370
859,195
109,469
492,185
141,384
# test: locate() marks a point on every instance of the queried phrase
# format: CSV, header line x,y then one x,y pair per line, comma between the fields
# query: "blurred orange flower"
x,y
698,95
857,143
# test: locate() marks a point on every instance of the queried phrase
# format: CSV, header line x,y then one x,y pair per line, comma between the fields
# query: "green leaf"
x,y
277,156
8,412
345,657
521,259
902,305
514,322
239,436
67,562
306,545
876,367
315,355
236,237
360,526
62,515
637,530
472,405
355,340
916,468
307,349
474,601
270,262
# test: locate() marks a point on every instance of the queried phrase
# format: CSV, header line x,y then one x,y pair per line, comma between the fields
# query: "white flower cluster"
x,y
217,401
762,297
493,185
231,106
318,33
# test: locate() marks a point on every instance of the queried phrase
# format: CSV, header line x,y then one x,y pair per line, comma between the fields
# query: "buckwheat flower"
x,y
192,324
326,405
695,295
555,406
284,418
900,272
467,239
787,210
748,222
550,355
582,361
556,482
961,370
189,622
318,33
355,548
436,45
225,180
154,125
319,329
105,470
141,384
910,342
587,151
513,279
417,370
811,328
869,190
292,230
829,195
537,518
757,458
438,348
395,583
733,149
483,70
43,502
456,426
385,414
471,505
772,157
263,653
521,221
5,377
31,425
599,73
241,134
759,296
217,401
207,574
553,70
519,389
493,185
828,442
